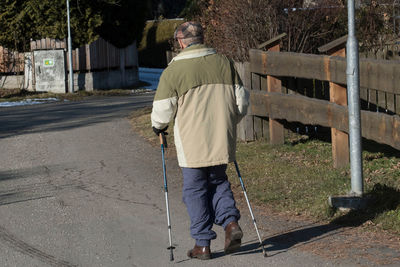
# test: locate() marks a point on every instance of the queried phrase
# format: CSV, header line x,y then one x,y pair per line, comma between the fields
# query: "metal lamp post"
x,y
71,72
353,83
355,200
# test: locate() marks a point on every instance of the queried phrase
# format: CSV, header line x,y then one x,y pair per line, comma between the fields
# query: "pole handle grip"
x,y
163,140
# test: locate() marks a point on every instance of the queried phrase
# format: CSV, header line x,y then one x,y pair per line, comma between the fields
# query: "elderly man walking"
x,y
203,93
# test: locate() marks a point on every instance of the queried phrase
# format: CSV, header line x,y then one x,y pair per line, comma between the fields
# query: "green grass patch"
x,y
298,177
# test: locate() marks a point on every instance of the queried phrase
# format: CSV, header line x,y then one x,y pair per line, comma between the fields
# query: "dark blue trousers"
x,y
208,197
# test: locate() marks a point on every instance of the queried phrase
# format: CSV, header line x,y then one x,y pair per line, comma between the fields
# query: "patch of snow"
x,y
27,102
151,76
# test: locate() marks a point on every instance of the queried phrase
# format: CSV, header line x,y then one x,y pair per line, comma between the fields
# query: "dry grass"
x,y
10,95
298,178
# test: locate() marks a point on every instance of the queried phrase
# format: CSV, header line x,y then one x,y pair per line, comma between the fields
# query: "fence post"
x,y
274,84
338,95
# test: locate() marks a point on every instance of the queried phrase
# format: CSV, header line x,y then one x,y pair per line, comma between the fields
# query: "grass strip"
x,y
298,177
12,95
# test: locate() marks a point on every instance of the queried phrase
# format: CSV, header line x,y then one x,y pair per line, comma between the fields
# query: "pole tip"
x,y
264,252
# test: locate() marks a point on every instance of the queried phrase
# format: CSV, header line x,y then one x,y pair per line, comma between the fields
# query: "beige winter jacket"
x,y
204,93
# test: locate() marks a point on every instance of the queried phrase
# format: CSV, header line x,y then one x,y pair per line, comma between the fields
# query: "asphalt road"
x,y
79,188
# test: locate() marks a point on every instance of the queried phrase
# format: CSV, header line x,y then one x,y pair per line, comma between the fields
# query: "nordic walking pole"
x,y
251,211
163,142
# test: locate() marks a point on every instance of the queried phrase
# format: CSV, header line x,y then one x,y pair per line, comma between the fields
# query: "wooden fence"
x,y
100,55
294,87
97,56
11,62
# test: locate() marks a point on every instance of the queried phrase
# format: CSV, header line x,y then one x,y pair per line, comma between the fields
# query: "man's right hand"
x,y
158,131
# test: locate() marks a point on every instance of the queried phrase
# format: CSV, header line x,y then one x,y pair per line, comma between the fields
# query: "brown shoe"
x,y
202,253
233,237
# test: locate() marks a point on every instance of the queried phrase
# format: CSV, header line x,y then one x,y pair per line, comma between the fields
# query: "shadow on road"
x,y
382,199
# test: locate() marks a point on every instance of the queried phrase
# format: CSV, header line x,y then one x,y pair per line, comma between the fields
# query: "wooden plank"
x,y
82,58
53,43
379,127
245,127
37,44
111,51
337,44
48,43
88,62
340,148
127,55
264,120
382,100
276,130
248,120
76,59
64,44
397,97
73,60
339,139
255,81
258,128
97,57
11,60
98,53
101,55
33,45
248,128
364,98
116,57
6,60
256,85
390,102
307,66
93,55
382,128
271,41
22,61
364,94
308,110
2,68
43,43
375,74
372,100
67,60
107,55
